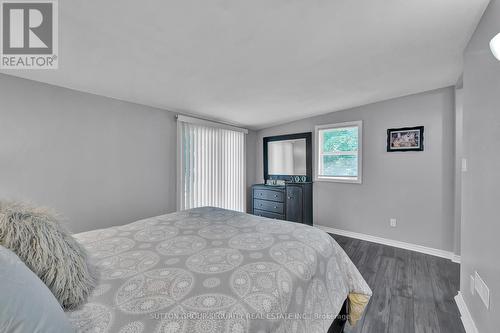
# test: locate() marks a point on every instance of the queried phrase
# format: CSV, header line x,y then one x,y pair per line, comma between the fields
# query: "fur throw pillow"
x,y
36,236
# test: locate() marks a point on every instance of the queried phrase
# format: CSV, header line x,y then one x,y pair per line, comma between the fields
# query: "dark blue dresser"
x,y
291,202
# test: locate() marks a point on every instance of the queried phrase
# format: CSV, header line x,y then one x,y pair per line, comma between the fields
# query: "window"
x,y
338,152
211,165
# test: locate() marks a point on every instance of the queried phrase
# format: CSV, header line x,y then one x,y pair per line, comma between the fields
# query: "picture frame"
x,y
405,139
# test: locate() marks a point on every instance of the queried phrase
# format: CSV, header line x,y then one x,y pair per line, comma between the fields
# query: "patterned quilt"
x,y
210,270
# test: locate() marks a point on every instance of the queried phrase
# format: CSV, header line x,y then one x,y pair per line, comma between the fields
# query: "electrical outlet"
x,y
482,290
472,285
393,223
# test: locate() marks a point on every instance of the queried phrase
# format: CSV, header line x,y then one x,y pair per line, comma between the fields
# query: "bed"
x,y
214,270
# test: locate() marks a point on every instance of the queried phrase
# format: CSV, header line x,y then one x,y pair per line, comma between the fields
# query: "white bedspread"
x,y
212,270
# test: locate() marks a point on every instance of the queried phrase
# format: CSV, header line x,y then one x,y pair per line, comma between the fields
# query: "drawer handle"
x,y
275,207
275,195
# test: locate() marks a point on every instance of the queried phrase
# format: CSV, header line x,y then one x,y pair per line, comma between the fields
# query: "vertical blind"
x,y
212,167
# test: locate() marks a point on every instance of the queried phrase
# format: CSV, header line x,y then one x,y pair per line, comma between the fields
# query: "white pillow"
x,y
42,243
26,304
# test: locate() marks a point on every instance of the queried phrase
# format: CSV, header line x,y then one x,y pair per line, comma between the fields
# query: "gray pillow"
x,y
26,304
38,239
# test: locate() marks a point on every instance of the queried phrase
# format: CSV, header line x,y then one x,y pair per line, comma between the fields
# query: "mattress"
x,y
213,270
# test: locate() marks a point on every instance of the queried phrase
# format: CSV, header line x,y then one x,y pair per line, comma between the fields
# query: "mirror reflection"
x,y
287,157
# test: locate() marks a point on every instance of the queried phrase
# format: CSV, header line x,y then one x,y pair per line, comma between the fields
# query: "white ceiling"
x,y
258,63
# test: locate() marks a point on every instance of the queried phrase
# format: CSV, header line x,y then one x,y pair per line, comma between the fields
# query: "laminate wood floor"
x,y
412,292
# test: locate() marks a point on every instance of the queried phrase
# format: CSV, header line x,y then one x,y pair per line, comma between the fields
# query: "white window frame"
x,y
318,155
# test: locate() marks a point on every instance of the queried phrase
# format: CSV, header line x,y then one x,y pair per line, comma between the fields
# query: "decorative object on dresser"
x,y
287,192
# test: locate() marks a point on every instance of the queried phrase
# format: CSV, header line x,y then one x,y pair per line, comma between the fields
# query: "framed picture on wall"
x,y
405,139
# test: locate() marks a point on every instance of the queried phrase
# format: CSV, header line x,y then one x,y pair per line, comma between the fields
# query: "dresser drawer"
x,y
268,195
268,214
269,206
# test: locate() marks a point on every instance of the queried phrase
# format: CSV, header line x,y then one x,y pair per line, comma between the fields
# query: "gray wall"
x,y
98,161
251,144
481,183
459,107
414,187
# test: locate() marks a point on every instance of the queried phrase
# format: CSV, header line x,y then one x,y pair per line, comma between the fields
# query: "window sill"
x,y
338,180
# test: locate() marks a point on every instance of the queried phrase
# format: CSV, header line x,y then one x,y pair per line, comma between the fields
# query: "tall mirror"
x,y
287,156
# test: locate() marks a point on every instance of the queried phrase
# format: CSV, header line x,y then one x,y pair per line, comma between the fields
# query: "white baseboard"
x,y
466,317
390,242
456,258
